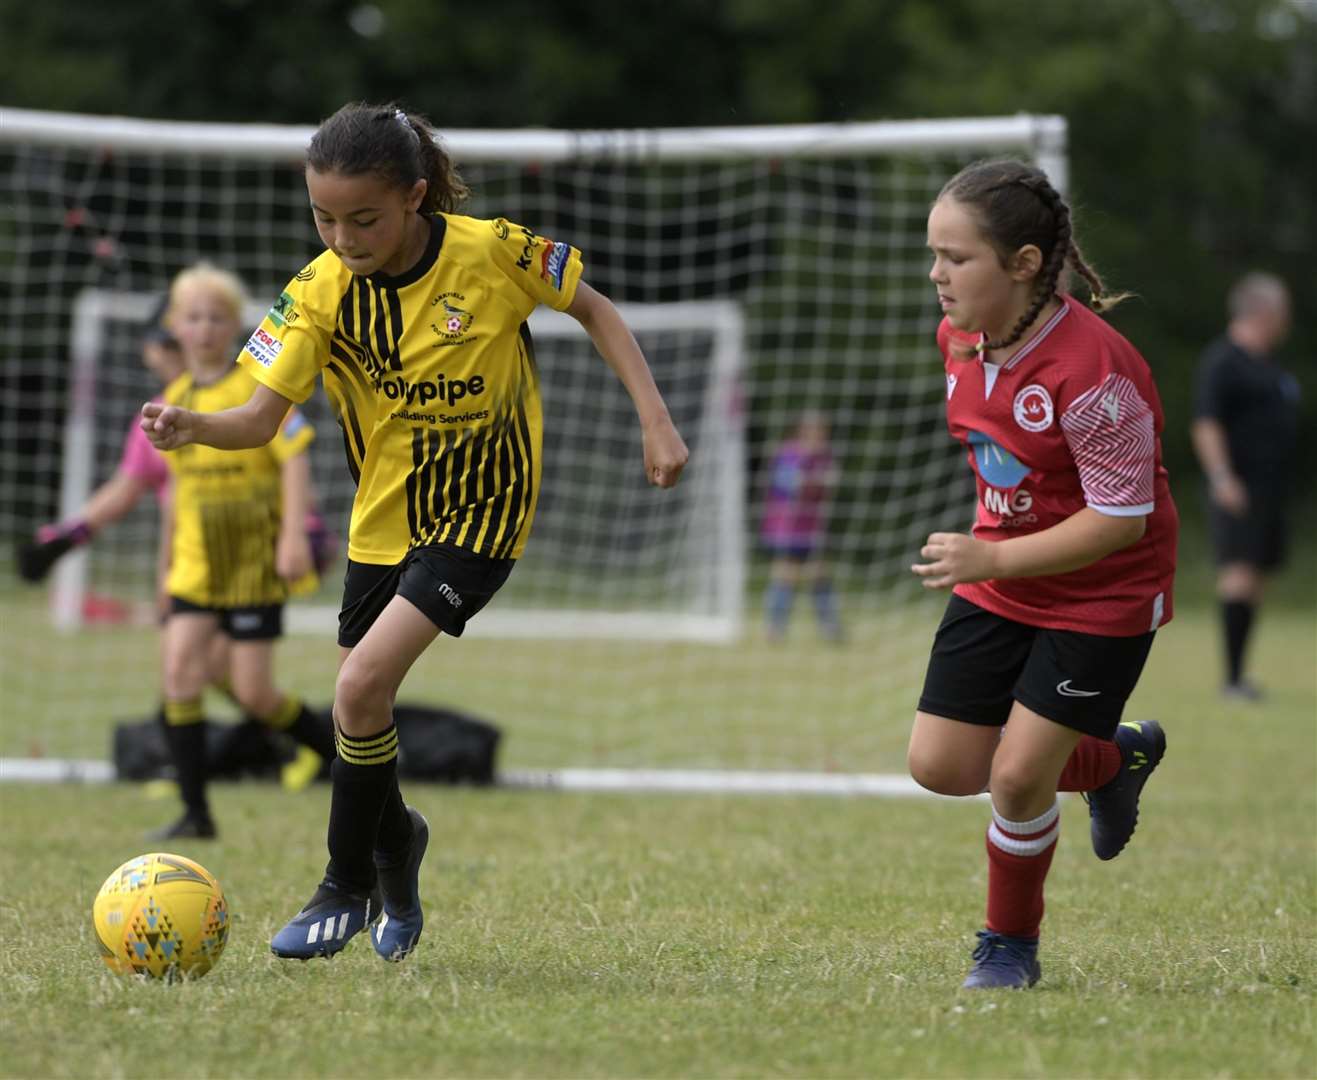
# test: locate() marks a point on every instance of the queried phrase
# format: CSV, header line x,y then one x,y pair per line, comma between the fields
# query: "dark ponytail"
x,y
1015,204
398,147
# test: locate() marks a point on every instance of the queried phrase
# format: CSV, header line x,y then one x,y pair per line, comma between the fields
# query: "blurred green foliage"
x,y
1191,121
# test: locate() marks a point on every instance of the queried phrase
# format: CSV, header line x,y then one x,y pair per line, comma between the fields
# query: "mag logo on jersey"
x,y
263,347
1002,473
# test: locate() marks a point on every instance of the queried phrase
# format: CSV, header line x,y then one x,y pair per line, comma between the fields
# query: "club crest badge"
x,y
1033,408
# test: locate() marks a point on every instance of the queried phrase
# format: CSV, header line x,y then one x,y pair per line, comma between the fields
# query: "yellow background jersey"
x,y
228,504
432,376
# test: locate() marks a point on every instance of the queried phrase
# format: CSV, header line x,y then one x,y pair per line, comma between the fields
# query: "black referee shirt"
x,y
1256,402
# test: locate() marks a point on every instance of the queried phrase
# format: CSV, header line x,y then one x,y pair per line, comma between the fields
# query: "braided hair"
x,y
1015,204
398,147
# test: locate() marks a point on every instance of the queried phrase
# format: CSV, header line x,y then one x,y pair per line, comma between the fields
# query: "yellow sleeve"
x,y
547,271
291,346
295,434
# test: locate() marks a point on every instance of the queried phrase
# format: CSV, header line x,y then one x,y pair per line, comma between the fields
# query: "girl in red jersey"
x,y
1068,571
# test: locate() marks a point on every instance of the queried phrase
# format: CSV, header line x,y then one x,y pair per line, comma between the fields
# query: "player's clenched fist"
x,y
167,426
665,455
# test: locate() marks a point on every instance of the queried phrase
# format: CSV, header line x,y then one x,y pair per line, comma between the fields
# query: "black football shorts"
x,y
447,585
982,663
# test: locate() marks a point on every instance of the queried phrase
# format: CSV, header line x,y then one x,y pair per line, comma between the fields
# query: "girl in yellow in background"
x,y
237,540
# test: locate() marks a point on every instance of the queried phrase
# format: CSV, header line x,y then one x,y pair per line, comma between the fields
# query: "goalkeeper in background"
x,y
415,315
237,541
141,469
801,479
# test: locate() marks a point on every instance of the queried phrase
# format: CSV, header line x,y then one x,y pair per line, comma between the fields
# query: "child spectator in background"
x,y
801,479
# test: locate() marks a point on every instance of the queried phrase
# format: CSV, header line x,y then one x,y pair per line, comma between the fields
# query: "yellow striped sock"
x,y
378,749
179,713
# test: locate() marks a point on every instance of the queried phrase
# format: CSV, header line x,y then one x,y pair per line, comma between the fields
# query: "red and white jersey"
x,y
1071,420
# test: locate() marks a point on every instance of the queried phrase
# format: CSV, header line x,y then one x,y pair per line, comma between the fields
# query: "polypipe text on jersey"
x,y
449,391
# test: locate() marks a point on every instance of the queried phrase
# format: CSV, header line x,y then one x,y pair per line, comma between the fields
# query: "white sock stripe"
x,y
1012,846
1023,828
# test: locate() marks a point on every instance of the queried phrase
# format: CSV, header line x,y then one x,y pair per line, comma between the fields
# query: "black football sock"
x,y
294,718
185,732
1238,618
364,774
395,823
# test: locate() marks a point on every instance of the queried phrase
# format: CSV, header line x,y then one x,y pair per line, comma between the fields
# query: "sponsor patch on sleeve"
x,y
553,263
283,311
264,347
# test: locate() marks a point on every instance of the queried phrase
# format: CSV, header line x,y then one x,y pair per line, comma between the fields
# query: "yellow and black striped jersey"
x,y
228,504
432,376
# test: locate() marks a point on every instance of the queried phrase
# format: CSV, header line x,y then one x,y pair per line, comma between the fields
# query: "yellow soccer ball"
x,y
161,915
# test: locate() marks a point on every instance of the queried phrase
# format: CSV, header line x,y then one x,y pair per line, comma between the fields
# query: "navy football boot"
x,y
331,918
1003,963
399,928
1113,808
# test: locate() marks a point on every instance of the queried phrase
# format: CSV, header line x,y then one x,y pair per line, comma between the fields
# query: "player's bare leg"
x,y
374,839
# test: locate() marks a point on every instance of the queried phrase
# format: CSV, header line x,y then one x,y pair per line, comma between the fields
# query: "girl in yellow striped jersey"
x,y
415,317
236,538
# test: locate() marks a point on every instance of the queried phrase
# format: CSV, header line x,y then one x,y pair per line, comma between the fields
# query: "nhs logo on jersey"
x,y
553,263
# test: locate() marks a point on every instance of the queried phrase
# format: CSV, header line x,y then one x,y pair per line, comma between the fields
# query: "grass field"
x,y
589,935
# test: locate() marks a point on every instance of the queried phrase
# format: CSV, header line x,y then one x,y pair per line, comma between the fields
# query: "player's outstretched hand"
x,y
167,426
665,454
954,559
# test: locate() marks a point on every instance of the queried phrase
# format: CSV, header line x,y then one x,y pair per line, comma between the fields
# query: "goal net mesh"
x,y
768,277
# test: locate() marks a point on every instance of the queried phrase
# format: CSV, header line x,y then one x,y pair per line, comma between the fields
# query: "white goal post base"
x,y
616,781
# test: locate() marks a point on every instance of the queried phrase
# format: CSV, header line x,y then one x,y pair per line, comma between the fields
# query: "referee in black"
x,y
1245,433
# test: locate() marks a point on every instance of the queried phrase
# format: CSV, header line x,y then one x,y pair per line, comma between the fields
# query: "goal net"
x,y
772,275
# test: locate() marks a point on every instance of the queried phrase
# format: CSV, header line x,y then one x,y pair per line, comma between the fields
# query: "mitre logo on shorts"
x,y
1033,408
951,385
263,347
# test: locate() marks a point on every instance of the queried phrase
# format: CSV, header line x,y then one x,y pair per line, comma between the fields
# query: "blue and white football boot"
x,y
331,918
399,928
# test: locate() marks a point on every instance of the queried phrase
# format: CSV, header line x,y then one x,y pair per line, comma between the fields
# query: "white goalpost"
x,y
708,608
769,273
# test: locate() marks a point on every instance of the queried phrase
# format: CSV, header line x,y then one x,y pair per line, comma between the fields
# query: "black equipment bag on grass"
x,y
434,744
